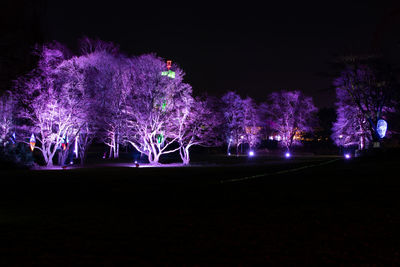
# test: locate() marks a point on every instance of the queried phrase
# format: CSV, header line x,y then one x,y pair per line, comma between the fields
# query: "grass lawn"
x,y
340,212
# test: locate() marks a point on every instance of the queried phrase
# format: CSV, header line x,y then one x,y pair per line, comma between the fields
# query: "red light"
x,y
169,64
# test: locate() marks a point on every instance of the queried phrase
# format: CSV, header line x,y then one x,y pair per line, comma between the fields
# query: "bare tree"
x,y
291,113
6,117
50,107
151,106
351,127
234,120
371,91
197,124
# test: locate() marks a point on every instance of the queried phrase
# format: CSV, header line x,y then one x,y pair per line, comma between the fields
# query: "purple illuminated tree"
x,y
105,70
6,117
242,123
251,122
152,104
232,109
74,76
369,89
50,105
291,112
351,127
197,124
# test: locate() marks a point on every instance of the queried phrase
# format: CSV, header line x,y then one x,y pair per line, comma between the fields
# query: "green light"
x,y
168,73
160,138
164,104
171,74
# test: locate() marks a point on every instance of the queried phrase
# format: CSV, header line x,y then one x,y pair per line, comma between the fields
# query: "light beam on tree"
x,y
32,142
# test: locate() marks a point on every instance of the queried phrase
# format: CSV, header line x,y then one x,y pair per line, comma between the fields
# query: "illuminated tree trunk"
x,y
62,156
46,159
111,151
153,158
184,153
229,148
48,148
362,142
116,146
49,155
83,146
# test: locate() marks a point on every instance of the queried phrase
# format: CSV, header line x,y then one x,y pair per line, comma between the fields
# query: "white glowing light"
x,y
288,155
76,147
381,128
271,137
347,156
229,153
251,153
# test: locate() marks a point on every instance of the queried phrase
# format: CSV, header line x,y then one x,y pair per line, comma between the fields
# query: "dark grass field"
x,y
341,212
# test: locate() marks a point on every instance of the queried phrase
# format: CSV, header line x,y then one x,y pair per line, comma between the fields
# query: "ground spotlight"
x,y
347,156
251,153
287,155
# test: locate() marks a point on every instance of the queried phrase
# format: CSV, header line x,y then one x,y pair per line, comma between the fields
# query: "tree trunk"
x,y
111,151
287,147
60,158
49,162
362,142
83,154
153,158
181,152
47,155
116,150
186,160
184,153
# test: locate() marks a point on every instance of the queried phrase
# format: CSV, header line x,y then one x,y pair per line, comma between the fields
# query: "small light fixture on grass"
x,y
251,153
287,155
347,156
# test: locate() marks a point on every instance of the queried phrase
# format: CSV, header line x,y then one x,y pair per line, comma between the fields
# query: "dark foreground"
x,y
341,212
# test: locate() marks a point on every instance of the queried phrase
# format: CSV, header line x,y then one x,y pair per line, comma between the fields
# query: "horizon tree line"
x,y
68,101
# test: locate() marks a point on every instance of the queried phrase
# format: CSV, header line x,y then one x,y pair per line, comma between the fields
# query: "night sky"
x,y
249,48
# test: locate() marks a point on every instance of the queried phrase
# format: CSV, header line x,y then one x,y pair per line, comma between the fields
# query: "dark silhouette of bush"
x,y
16,156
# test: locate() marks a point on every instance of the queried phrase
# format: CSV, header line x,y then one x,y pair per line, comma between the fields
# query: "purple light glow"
x,y
381,128
288,155
347,156
251,153
76,148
